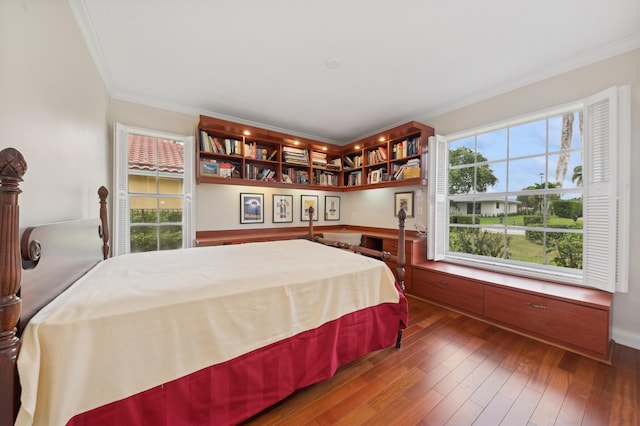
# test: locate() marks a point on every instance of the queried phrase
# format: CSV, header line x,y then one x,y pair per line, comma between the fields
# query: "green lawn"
x,y
523,250
519,220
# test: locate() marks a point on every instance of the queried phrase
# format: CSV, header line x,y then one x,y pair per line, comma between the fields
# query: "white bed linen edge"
x,y
137,321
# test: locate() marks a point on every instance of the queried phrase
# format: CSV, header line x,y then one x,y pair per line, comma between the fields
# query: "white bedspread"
x,y
140,320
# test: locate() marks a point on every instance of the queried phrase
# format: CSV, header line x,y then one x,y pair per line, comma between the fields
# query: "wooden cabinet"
x,y
232,153
575,318
448,290
562,322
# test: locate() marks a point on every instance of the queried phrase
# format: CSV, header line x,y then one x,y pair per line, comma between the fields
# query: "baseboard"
x,y
626,338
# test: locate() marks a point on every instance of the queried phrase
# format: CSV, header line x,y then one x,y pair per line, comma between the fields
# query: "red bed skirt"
x,y
233,391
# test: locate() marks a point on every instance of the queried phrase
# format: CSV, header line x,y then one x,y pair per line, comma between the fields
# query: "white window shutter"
x,y
121,184
188,230
624,188
437,195
602,202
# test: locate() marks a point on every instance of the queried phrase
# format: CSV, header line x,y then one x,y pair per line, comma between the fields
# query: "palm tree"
x,y
565,145
576,177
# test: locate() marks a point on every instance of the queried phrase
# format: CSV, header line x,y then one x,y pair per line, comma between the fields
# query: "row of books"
x,y
354,178
253,172
325,178
407,148
292,175
377,155
352,161
218,145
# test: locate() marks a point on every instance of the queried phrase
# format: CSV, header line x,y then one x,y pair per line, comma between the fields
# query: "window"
x,y
542,196
153,203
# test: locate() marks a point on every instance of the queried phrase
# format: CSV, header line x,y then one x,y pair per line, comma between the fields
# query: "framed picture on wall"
x,y
331,207
251,208
308,201
403,200
282,208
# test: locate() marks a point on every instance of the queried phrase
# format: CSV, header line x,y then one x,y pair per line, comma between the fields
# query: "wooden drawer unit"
x,y
448,290
563,322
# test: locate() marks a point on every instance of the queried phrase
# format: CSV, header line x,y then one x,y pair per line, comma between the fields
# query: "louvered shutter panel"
x,y
624,188
437,196
600,189
121,198
188,233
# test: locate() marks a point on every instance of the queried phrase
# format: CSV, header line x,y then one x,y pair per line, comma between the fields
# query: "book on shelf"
x,y
216,145
382,151
319,159
406,148
204,142
232,146
348,162
325,178
295,155
273,155
335,164
398,171
355,178
412,172
250,150
225,170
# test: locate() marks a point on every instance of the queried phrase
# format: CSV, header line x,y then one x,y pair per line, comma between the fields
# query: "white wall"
x,y
571,86
218,207
53,109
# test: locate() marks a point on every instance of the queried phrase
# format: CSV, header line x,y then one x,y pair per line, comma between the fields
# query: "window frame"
x,y
611,273
122,224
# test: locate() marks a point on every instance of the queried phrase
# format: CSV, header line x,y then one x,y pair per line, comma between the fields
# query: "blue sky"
x,y
526,148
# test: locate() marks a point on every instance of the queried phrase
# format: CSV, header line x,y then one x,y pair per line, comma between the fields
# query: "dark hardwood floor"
x,y
454,370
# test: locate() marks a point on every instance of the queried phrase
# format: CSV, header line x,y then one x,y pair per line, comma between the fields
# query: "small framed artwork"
x,y
376,176
251,208
282,208
403,200
331,207
308,201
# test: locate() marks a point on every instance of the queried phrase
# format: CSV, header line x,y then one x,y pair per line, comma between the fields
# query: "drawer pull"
x,y
443,282
533,305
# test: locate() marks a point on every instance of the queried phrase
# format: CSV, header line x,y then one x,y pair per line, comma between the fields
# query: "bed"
x,y
208,335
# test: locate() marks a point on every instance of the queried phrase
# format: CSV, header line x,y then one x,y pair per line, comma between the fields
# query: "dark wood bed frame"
x,y
47,259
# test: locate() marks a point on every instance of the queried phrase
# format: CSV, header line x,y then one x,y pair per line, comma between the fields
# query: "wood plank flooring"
x,y
454,370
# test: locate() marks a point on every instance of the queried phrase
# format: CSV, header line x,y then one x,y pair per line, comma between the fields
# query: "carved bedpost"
x,y
402,216
103,230
311,210
12,168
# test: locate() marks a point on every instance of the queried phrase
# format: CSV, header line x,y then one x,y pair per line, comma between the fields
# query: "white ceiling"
x,y
264,62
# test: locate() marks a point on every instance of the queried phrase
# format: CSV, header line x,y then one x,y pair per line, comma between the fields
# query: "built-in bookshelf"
x,y
233,153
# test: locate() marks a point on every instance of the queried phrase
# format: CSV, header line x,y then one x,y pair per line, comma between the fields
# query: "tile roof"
x,y
144,151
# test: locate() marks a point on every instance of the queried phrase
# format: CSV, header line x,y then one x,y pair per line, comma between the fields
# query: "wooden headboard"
x,y
36,268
